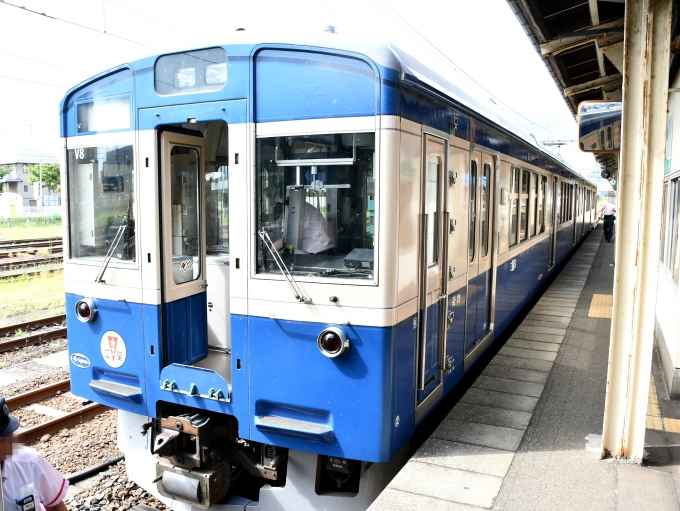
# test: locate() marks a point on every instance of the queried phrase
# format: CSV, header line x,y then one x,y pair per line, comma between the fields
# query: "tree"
x,y
4,170
51,176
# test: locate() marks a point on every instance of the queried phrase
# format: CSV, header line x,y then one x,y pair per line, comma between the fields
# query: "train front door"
x,y
478,322
432,279
183,247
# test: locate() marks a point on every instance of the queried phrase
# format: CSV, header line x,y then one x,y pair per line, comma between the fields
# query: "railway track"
x,y
27,263
30,271
14,342
53,425
4,244
8,253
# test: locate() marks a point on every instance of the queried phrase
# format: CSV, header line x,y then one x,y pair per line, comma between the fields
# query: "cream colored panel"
x,y
409,209
459,163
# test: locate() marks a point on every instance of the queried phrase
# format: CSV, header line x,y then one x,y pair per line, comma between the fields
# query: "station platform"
x,y
526,434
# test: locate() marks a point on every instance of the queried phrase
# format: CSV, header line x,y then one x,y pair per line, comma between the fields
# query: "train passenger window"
x,y
431,207
472,227
185,211
533,200
540,208
514,190
101,202
486,179
523,205
316,199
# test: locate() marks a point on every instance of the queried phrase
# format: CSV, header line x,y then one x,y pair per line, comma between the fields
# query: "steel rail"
x,y
55,425
28,272
9,254
33,324
35,244
20,342
38,394
10,243
22,263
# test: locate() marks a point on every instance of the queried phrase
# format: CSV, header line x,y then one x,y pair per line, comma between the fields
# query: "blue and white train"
x,y
279,257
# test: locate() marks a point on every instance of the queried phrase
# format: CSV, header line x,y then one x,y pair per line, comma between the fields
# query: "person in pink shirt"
x,y
28,480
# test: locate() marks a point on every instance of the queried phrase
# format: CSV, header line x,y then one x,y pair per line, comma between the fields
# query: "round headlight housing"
x,y
332,342
86,310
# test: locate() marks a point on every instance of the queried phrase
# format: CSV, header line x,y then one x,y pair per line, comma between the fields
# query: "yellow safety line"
x,y
600,306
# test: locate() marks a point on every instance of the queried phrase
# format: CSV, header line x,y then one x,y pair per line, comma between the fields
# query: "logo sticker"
x,y
186,265
80,360
113,349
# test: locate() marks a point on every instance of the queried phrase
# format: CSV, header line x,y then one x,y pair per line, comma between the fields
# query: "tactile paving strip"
x,y
600,306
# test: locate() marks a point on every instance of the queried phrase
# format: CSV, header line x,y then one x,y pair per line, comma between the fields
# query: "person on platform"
x,y
29,482
609,211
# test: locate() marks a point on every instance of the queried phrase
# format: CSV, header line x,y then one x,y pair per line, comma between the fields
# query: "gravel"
x,y
112,490
33,383
66,402
27,353
82,446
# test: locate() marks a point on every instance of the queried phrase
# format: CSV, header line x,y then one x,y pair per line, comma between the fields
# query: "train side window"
x,y
514,193
533,201
523,206
473,211
486,178
540,208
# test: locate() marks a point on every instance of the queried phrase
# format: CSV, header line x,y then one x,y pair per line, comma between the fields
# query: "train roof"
x,y
413,65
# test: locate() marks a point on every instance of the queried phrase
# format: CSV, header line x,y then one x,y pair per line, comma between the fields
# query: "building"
x,y
17,180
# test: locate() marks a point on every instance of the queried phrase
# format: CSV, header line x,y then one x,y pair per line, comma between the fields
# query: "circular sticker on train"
x,y
113,349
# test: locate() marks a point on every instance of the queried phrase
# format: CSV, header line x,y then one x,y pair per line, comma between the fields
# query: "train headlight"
x,y
86,310
332,342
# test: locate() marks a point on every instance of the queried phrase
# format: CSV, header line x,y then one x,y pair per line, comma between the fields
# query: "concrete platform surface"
x,y
527,434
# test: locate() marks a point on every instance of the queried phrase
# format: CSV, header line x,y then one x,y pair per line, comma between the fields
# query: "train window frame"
x,y
472,211
533,203
364,275
513,204
85,142
542,192
486,213
523,212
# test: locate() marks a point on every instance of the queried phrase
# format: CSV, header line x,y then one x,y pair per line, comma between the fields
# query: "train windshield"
x,y
316,202
101,202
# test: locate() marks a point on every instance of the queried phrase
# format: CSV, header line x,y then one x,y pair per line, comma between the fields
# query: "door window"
x,y
486,181
185,214
433,165
473,211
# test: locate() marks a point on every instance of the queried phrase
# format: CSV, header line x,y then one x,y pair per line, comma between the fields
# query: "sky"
x,y
41,57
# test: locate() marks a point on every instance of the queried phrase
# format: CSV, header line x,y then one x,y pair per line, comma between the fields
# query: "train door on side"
x,y
433,274
554,201
480,249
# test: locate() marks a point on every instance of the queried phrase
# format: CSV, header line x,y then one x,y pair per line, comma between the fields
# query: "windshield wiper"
x,y
294,286
109,254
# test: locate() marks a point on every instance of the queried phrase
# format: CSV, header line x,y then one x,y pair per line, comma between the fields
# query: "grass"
x,y
23,232
30,294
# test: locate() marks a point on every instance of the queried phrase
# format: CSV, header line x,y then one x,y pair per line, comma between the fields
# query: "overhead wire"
x,y
3,2
492,97
31,81
32,60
